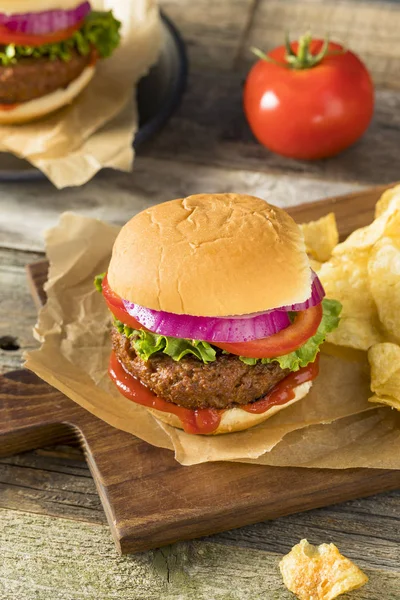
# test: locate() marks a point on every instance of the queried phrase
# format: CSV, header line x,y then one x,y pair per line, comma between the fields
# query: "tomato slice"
x,y
116,306
304,326
27,39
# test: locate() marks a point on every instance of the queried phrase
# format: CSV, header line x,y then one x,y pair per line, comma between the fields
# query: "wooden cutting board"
x,y
150,500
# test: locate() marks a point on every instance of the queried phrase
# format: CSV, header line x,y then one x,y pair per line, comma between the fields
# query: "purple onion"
x,y
210,329
49,21
317,293
222,329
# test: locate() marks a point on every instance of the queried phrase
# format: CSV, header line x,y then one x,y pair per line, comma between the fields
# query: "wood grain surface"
x,y
70,555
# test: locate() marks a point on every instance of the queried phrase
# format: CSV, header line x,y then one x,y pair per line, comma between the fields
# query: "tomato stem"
x,y
260,54
303,59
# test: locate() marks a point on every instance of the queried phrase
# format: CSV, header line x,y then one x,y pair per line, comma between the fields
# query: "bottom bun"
x,y
39,107
237,419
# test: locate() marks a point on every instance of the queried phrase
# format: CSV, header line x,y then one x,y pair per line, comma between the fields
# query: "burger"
x,y
48,53
218,318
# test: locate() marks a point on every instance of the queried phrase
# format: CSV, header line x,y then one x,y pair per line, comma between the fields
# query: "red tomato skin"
x,y
287,340
116,306
311,113
23,39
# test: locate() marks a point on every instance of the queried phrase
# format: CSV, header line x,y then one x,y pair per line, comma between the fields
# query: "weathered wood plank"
x,y
210,128
115,197
17,310
369,29
52,482
368,528
212,30
44,558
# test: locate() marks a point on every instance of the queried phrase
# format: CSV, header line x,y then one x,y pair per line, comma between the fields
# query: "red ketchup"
x,y
283,391
205,420
202,420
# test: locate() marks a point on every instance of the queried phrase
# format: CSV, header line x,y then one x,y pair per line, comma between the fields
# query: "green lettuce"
x,y
98,280
100,30
146,343
306,353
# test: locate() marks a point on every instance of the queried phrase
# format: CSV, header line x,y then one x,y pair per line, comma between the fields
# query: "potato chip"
x,y
321,237
384,360
319,572
345,278
384,280
363,238
366,237
387,200
391,402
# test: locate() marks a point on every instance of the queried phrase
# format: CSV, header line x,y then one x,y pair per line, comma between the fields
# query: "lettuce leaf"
x,y
98,280
306,353
99,30
146,344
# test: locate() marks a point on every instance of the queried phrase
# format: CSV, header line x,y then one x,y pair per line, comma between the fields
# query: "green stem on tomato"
x,y
303,59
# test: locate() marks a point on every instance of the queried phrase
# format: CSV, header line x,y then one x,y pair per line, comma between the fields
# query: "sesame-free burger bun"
x,y
40,107
237,419
10,7
211,255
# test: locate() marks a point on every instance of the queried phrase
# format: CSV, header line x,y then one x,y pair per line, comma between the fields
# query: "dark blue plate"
x,y
158,95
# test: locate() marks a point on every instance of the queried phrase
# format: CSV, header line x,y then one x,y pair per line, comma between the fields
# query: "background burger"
x,y
48,51
218,318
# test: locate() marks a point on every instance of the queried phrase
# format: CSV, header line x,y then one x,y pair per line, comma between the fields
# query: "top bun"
x,y
211,255
11,7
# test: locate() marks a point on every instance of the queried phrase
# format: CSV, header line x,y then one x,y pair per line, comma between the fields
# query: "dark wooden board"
x,y
150,500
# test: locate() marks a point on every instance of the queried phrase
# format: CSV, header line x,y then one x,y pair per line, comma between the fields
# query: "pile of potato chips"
x,y
363,273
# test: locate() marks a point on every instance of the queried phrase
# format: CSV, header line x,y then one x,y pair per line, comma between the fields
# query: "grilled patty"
x,y
224,383
33,78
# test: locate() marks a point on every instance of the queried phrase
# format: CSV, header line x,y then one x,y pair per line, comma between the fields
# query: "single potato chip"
x,y
384,281
386,400
345,278
384,360
366,237
319,572
321,237
387,200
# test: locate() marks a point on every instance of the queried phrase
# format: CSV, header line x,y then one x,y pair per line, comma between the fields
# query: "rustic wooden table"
x,y
54,541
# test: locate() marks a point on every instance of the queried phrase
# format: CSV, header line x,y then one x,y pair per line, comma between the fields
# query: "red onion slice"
x,y
210,329
317,293
222,329
40,23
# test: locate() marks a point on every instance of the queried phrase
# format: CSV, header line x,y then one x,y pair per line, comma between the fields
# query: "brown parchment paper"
x,y
334,426
97,129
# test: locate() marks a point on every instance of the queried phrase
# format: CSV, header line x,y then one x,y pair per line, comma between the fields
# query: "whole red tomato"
x,y
309,99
